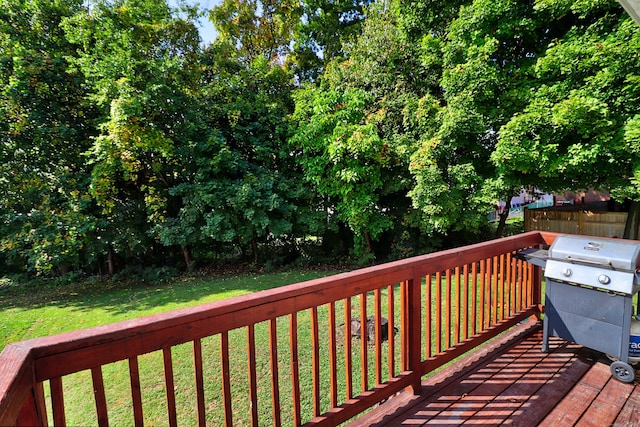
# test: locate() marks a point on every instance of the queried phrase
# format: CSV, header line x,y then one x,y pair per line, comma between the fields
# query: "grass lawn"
x,y
30,311
33,311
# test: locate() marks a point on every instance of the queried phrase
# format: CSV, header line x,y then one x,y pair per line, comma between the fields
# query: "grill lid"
x,y
615,254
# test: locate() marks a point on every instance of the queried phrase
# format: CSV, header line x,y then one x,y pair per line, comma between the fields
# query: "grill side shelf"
x,y
534,256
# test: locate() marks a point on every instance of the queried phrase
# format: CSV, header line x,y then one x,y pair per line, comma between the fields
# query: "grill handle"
x,y
588,261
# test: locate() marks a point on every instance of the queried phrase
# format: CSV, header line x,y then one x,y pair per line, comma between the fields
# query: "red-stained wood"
x,y
630,415
315,361
333,356
136,395
483,303
348,361
54,357
474,298
391,331
428,318
438,313
378,336
404,331
275,386
253,381
226,378
613,397
16,383
571,406
447,311
71,352
414,316
510,382
172,416
199,378
57,402
504,302
457,311
364,351
31,414
295,369
495,291
99,396
465,302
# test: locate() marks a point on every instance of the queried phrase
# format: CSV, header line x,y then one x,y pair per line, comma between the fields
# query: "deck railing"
x,y
324,350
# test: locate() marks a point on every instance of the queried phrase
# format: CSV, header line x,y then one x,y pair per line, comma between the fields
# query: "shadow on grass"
x,y
122,297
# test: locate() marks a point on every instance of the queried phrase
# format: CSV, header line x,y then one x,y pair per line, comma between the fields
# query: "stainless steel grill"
x,y
606,264
590,285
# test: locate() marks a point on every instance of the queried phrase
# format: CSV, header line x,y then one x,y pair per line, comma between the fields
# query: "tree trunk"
x,y
633,221
254,244
111,268
503,217
186,253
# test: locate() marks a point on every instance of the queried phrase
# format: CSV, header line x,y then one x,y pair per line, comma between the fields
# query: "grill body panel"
x,y
590,287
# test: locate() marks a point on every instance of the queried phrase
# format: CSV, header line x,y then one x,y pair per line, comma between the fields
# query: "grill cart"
x,y
590,286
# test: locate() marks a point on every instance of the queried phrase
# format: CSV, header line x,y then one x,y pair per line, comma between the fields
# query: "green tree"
x,y
357,129
48,220
579,127
242,188
488,59
326,25
140,59
250,28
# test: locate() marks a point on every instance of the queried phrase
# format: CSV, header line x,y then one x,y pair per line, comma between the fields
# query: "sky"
x,y
207,32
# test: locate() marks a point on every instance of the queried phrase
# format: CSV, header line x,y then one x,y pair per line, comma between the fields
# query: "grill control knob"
x,y
566,272
604,279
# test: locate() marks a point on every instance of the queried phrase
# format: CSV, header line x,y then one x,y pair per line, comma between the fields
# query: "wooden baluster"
x,y
428,319
378,335
57,402
438,316
275,385
465,303
348,361
136,396
502,289
483,303
170,387
414,303
448,314
226,378
253,382
199,376
295,369
333,358
391,331
364,371
494,292
474,298
315,361
99,396
457,321
512,285
404,331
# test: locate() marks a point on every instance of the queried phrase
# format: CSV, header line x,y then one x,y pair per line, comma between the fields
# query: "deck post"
x,y
414,327
33,411
537,290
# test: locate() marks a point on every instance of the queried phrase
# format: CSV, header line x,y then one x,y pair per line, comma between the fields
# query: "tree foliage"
x,y
395,124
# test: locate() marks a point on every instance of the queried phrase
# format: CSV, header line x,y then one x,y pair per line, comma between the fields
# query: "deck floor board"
x,y
516,384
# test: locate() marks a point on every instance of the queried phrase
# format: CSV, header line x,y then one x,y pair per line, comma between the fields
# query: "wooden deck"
x,y
512,382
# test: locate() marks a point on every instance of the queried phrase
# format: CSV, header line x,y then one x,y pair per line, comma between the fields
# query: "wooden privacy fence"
x,y
589,223
295,341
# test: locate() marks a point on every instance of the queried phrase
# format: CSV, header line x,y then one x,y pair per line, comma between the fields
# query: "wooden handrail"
x,y
489,291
